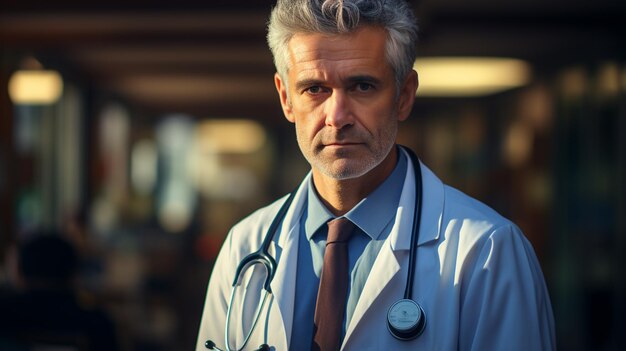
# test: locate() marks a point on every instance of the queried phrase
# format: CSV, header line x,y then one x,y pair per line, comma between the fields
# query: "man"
x,y
345,79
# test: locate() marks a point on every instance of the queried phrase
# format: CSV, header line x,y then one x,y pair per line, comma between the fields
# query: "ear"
x,y
407,95
281,87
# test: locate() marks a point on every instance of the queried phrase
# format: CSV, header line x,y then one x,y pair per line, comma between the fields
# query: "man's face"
x,y
341,95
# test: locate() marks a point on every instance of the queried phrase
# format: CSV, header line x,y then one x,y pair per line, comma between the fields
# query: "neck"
x,y
341,195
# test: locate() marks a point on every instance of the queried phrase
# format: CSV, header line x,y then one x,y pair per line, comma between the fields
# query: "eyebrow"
x,y
305,83
363,79
350,80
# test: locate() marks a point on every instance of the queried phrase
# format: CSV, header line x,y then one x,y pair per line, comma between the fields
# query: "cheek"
x,y
308,123
304,131
300,130
378,118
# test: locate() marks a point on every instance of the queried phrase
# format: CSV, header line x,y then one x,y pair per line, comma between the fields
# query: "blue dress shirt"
x,y
373,216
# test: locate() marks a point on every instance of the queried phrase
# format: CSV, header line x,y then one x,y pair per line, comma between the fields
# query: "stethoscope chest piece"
x,y
406,319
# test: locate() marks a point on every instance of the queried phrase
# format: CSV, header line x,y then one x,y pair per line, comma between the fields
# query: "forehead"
x,y
360,49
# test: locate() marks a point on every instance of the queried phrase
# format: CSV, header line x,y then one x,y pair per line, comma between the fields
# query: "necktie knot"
x,y
339,230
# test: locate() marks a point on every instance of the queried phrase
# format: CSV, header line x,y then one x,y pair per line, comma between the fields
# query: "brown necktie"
x,y
332,294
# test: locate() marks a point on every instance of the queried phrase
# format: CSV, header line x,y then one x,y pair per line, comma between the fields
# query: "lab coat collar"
x,y
432,209
432,206
292,217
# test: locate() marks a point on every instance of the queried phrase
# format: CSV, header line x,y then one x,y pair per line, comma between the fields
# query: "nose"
x,y
337,110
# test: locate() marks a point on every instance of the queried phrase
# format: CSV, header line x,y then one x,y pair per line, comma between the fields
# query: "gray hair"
x,y
344,16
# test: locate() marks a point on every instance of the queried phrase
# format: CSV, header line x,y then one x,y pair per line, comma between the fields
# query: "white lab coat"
x,y
477,279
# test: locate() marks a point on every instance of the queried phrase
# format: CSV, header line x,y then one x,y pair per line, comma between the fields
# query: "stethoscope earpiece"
x,y
406,319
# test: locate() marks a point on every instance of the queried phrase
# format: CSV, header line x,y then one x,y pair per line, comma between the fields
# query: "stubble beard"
x,y
344,164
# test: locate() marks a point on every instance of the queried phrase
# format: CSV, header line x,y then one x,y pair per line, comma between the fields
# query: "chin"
x,y
347,169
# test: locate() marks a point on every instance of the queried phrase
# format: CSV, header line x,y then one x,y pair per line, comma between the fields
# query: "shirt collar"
x,y
317,213
372,214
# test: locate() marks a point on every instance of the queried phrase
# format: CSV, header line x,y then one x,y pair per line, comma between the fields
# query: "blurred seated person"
x,y
45,311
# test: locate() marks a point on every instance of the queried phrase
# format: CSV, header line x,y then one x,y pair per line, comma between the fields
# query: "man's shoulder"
x,y
474,227
467,207
473,220
455,205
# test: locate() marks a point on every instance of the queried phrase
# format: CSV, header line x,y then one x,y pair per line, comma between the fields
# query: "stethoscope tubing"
x,y
257,314
262,256
417,219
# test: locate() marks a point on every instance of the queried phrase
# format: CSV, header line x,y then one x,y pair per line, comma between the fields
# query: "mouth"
x,y
341,144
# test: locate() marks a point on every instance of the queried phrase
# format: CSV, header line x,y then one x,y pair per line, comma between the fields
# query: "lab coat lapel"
x,y
283,285
389,260
385,268
387,264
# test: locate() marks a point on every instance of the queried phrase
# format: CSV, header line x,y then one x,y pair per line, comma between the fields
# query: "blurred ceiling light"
x,y
36,87
232,135
469,76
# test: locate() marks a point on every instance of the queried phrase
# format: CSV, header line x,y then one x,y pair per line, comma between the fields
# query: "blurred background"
x,y
141,131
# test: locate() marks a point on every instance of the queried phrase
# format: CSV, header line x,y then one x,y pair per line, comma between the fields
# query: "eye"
x,y
363,87
315,89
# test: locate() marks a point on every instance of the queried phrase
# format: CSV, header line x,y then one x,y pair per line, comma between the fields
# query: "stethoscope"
x,y
406,319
